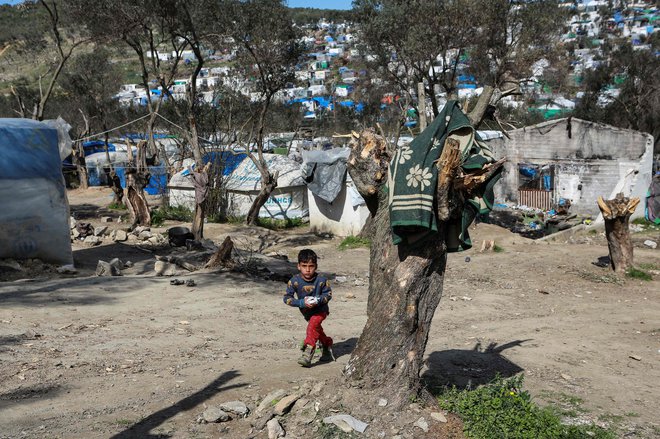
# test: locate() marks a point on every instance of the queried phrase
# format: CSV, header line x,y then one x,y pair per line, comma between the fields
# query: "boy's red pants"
x,y
315,331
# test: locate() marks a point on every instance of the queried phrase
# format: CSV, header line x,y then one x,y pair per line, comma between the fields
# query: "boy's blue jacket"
x,y
298,288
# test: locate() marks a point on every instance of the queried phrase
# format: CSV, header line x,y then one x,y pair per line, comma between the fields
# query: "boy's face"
x,y
307,270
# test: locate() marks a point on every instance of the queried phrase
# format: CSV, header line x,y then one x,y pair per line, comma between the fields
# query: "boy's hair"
x,y
307,255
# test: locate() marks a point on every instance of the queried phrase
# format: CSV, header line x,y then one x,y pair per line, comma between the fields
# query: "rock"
x,y
270,400
67,269
635,357
651,244
260,423
92,240
439,417
382,402
359,282
118,235
163,268
285,404
116,262
104,269
237,407
153,240
144,235
346,423
139,229
421,423
318,387
72,223
340,279
106,219
214,414
275,430
128,264
11,264
349,296
100,231
75,233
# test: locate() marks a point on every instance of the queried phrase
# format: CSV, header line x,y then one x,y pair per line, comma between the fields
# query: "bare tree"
x,y
406,280
268,49
65,40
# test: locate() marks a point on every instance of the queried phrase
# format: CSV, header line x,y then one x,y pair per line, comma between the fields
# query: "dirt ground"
x,y
133,356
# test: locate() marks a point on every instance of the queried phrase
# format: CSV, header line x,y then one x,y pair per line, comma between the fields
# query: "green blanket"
x,y
414,174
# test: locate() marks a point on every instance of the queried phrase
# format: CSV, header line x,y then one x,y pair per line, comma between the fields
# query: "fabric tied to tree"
x,y
414,174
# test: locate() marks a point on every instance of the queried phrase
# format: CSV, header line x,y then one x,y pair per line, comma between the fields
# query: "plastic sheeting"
x,y
325,171
36,223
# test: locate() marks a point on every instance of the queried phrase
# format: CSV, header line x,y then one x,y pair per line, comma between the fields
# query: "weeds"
x,y
635,273
647,266
498,249
279,224
115,206
502,409
609,278
354,242
179,213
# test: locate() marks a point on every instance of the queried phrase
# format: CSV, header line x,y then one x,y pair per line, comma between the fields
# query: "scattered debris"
x,y
651,244
382,402
438,416
285,404
275,430
237,407
635,357
112,268
422,424
213,415
346,423
270,399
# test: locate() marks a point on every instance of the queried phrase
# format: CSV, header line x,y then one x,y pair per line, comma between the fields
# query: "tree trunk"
x,y
115,184
137,178
78,156
137,202
406,280
404,291
268,185
616,213
198,220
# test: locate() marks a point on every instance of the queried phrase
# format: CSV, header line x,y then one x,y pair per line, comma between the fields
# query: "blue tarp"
x,y
29,150
157,182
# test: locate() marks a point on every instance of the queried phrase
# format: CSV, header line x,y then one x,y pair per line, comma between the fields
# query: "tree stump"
x,y
222,256
616,213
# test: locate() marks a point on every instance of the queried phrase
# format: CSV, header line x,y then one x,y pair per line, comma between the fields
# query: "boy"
x,y
312,294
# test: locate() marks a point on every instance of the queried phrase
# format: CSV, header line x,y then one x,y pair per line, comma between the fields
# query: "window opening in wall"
x,y
536,184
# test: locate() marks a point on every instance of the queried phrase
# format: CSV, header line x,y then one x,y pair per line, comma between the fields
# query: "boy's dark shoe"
x,y
305,359
326,354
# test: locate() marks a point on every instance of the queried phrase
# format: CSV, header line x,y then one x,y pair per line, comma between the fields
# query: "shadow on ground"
x,y
142,429
469,368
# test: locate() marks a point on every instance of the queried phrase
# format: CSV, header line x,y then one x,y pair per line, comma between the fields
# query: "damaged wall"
x,y
589,160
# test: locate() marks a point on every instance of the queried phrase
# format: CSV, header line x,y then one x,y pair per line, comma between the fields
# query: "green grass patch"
x,y
498,249
279,224
115,206
354,242
502,409
648,266
636,273
163,213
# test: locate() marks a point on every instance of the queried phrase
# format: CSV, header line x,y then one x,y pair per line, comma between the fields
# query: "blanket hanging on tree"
x,y
414,174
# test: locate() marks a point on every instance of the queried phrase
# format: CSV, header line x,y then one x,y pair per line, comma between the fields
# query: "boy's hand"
x,y
310,302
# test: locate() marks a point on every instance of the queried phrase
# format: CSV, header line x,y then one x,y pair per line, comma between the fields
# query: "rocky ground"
x,y
133,356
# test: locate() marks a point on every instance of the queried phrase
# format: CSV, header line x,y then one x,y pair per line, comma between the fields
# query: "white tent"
x,y
288,200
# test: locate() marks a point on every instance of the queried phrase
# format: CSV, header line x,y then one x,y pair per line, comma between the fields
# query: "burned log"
x,y
222,256
616,213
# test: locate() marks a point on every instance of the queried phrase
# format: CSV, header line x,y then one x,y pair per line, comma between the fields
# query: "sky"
x,y
325,4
